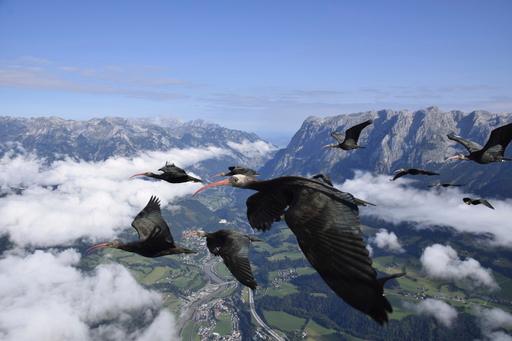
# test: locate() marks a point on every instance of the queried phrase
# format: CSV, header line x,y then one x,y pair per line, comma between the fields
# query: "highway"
x,y
258,319
205,295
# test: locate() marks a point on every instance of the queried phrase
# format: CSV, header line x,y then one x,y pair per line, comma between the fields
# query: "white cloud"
x,y
442,261
70,200
370,249
387,240
252,149
491,321
397,203
440,310
44,296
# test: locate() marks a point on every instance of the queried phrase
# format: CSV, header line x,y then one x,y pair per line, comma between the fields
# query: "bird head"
x,y
399,170
467,201
238,180
457,157
148,174
115,244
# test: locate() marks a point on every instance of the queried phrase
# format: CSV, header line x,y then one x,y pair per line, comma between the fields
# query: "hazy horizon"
x,y
261,67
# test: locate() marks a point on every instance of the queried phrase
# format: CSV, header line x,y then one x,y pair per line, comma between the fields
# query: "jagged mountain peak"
x,y
395,139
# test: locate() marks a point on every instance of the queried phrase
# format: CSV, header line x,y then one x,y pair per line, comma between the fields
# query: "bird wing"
x,y
329,235
499,139
486,203
264,208
469,145
149,222
340,137
175,171
235,253
355,131
400,174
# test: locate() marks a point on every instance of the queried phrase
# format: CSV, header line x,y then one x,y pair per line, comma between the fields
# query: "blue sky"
x,y
261,66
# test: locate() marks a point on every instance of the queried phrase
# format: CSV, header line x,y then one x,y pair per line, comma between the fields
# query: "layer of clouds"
x,y
387,240
70,200
440,310
44,296
398,203
252,149
492,322
134,82
442,262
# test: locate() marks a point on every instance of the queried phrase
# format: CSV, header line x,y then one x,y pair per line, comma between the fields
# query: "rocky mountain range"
x,y
397,139
98,139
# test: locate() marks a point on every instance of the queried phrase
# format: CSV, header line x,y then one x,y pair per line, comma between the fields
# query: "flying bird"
x,y
444,185
155,239
349,140
470,201
233,247
325,222
233,170
411,171
493,151
170,173
327,180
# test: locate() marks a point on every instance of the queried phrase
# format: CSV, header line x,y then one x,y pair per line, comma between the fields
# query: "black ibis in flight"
x,y
155,239
470,201
233,247
233,170
170,173
493,151
325,222
348,140
411,171
327,180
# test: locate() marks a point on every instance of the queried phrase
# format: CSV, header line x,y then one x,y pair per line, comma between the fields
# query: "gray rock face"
x,y
98,139
397,139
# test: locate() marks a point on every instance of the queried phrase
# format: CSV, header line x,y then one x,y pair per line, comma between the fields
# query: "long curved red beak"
x,y
138,174
97,247
224,182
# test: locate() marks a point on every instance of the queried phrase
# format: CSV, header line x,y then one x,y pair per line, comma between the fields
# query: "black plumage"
x,y
327,180
233,247
412,171
493,151
470,201
326,224
233,170
171,173
349,140
155,239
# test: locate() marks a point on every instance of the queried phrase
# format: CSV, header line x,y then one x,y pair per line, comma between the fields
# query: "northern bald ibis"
x,y
155,239
411,171
348,140
470,201
170,173
233,247
325,222
493,151
233,170
326,180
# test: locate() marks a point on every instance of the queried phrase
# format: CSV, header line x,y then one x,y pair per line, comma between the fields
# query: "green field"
x,y
224,325
283,321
